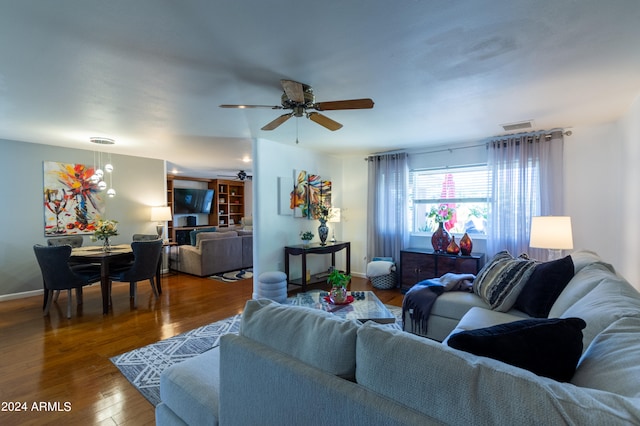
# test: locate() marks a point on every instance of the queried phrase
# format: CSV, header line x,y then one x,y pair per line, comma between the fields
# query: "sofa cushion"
x,y
201,236
500,281
546,347
545,284
582,258
478,317
191,388
612,362
459,388
192,234
613,298
315,337
584,280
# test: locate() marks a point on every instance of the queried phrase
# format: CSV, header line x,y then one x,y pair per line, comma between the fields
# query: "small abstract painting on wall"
x,y
308,189
300,194
72,202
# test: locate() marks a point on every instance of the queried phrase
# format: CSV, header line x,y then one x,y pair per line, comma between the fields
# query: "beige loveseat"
x,y
216,252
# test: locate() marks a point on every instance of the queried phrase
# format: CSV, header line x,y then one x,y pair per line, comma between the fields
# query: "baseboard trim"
x,y
22,295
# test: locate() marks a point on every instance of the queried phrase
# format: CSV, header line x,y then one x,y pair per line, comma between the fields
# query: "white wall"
x,y
273,231
353,224
140,183
630,202
603,191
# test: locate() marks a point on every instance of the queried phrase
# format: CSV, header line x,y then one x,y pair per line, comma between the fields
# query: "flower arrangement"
x,y
442,213
106,228
306,236
321,211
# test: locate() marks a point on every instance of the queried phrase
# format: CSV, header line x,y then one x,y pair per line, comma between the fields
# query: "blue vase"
x,y
323,232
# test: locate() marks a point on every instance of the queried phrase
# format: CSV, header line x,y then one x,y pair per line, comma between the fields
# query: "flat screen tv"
x,y
189,200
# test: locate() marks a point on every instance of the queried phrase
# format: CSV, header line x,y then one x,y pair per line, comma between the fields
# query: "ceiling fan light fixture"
x,y
298,97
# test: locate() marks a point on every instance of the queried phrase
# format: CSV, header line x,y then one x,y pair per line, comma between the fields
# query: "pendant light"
x,y
100,168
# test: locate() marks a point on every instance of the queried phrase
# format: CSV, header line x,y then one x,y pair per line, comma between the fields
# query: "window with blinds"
x,y
465,189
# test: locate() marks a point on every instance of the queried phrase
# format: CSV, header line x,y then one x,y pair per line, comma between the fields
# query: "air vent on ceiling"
x,y
517,126
102,141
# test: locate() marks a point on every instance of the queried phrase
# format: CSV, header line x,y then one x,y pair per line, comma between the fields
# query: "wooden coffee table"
x,y
366,308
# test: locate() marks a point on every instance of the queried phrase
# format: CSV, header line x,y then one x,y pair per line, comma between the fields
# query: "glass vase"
x,y
466,245
106,245
453,248
440,239
338,294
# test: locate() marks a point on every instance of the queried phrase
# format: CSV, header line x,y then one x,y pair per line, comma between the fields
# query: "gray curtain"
x,y
387,231
527,180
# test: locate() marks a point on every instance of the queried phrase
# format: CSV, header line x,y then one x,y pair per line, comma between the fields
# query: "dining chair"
x,y
146,258
145,237
57,274
67,240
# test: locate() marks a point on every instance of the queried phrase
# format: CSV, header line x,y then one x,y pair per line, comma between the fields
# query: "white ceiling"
x,y
151,73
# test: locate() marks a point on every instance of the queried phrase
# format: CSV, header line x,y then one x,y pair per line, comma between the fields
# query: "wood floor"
x,y
57,370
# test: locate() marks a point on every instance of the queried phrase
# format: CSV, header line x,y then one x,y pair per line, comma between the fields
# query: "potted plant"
x,y
306,237
338,282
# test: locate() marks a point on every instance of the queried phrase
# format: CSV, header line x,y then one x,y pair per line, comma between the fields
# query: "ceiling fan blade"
x,y
251,106
325,121
293,90
278,121
365,103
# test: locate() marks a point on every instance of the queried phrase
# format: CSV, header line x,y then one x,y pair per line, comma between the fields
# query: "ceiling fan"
x,y
241,175
299,98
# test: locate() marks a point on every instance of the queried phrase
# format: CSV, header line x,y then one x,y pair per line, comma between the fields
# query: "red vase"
x,y
440,239
453,248
466,245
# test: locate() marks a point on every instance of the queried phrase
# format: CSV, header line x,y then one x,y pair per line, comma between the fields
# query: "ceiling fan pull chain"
x,y
296,132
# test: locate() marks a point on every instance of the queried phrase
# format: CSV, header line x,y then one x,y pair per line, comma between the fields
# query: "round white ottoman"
x,y
273,285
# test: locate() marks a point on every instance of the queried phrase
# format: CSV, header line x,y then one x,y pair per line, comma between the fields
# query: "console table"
x,y
417,264
314,248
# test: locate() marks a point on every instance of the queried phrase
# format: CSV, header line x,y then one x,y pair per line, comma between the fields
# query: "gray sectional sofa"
x,y
215,252
294,365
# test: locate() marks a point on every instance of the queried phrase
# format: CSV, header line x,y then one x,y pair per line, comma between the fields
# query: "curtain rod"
x,y
547,134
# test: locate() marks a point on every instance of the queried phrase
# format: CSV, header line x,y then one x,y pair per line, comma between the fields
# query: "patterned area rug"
x,y
233,276
143,366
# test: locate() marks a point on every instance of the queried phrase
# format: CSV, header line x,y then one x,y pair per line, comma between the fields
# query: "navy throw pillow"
x,y
544,286
546,347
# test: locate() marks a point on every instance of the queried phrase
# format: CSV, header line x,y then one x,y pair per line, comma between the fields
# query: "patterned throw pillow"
x,y
500,281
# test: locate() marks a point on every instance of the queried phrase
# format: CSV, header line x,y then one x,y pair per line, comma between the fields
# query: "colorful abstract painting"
x,y
319,192
308,190
72,202
300,194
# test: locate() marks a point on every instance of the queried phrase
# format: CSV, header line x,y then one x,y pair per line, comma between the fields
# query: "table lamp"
x,y
553,233
334,217
160,215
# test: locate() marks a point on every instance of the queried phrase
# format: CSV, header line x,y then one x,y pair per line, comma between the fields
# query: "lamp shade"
x,y
160,214
334,215
551,232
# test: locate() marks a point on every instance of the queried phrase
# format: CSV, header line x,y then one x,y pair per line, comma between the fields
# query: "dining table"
x,y
119,254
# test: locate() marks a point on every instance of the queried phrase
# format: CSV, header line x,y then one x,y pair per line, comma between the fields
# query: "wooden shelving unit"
x,y
228,203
